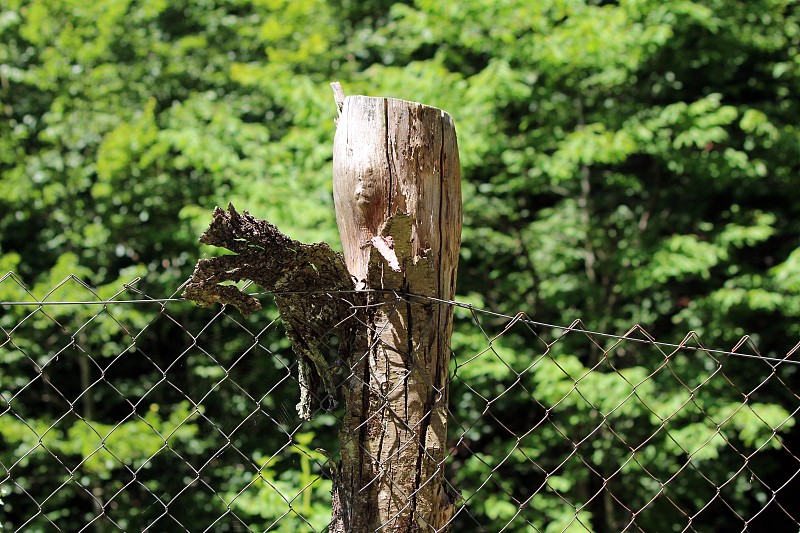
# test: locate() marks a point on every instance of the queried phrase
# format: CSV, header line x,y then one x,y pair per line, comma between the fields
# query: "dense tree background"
x,y
630,161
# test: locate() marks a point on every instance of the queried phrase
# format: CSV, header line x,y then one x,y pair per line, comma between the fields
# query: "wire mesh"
x,y
122,412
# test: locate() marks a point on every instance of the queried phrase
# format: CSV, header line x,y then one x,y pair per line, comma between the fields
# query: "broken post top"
x,y
339,97
394,157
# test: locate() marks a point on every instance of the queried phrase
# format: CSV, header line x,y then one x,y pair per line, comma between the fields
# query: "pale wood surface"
x,y
394,157
397,193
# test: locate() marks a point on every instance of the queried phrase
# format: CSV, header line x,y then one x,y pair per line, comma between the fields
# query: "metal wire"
x,y
117,415
456,304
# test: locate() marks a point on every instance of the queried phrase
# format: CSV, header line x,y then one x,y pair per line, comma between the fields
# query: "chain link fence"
x,y
124,412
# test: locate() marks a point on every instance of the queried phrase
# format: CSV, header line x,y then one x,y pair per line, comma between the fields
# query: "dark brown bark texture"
x,y
304,278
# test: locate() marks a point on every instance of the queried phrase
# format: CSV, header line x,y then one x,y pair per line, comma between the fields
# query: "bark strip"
x,y
305,278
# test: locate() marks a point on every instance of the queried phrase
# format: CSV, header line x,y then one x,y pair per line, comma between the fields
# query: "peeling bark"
x,y
301,276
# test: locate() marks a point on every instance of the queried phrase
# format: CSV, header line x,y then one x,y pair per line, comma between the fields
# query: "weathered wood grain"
x,y
397,193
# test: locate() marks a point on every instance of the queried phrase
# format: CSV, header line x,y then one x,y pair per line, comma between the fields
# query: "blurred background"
x,y
624,162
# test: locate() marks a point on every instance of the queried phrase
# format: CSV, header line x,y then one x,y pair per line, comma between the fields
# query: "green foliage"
x,y
99,446
630,161
289,499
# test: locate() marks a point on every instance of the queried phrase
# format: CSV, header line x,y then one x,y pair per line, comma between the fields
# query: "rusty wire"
x,y
174,418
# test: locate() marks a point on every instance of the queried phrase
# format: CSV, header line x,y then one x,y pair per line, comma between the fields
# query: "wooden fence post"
x,y
397,190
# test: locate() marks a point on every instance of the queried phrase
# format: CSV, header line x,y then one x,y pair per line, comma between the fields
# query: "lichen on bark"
x,y
305,280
